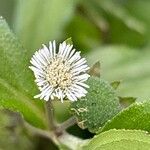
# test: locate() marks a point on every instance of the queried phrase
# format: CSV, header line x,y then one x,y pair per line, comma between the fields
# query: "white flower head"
x,y
59,74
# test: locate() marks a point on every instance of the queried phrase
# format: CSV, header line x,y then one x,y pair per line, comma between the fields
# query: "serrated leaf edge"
x,y
123,110
124,130
120,141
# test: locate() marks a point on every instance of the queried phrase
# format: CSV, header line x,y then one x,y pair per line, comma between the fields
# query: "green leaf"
x,y
121,13
125,64
136,116
126,101
38,22
12,135
69,41
140,9
115,84
120,140
100,105
16,82
95,70
125,145
63,147
83,32
7,10
120,19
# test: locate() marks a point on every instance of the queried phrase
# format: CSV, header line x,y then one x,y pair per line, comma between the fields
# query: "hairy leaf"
x,y
120,140
12,135
16,82
137,116
100,105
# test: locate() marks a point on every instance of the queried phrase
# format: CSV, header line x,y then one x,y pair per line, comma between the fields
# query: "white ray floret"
x,y
59,74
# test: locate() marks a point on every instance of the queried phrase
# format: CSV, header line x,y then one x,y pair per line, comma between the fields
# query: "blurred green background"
x,y
114,32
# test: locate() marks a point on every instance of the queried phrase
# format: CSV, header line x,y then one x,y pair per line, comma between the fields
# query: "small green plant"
x,y
99,109
49,96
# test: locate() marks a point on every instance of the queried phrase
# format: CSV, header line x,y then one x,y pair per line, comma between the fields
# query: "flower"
x,y
59,74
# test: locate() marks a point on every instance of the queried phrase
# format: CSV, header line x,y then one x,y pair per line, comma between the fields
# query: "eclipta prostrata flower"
x,y
59,74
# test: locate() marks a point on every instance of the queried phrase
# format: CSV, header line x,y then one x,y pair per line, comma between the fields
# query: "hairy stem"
x,y
72,142
57,134
37,131
49,110
68,123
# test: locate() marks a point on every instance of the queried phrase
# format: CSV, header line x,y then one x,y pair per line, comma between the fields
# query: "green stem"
x,y
56,134
68,123
37,131
49,110
72,142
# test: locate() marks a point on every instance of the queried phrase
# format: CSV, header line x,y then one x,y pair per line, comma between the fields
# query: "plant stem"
x,y
68,123
56,133
72,142
49,110
37,131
